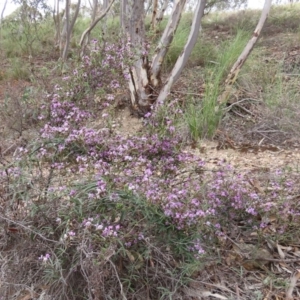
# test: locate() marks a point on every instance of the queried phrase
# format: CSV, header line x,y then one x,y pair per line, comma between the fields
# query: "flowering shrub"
x,y
94,84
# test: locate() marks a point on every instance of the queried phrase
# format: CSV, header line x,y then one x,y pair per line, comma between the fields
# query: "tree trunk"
x,y
56,18
69,27
2,13
85,35
1,18
165,42
183,58
232,76
133,25
65,25
154,13
161,13
123,6
148,6
143,78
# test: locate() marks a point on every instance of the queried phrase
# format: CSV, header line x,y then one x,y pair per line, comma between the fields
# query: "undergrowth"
x,y
202,117
87,213
103,215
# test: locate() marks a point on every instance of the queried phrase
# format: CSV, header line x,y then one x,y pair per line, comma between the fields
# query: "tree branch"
x,y
92,26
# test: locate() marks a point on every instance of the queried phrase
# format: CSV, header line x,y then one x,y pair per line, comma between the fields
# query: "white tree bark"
x,y
148,6
232,76
2,13
94,8
85,35
65,25
1,17
134,27
144,81
154,13
143,77
165,42
69,27
56,18
161,13
182,59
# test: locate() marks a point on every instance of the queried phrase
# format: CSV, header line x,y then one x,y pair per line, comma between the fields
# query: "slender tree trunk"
x,y
94,10
165,42
1,19
123,6
133,25
149,4
56,19
85,35
154,13
2,12
161,13
144,79
183,58
104,7
65,27
69,27
232,76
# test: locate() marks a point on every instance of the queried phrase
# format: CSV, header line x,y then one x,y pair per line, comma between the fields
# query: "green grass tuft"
x,y
202,117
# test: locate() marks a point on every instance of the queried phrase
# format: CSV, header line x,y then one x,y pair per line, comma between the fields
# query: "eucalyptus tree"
x,y
24,23
68,21
145,81
233,74
2,12
84,40
158,10
1,17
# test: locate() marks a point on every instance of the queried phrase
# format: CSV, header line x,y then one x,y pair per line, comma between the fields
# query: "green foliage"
x,y
202,118
26,39
203,51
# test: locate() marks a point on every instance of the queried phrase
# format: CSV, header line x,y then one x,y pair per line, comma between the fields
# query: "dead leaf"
x,y
294,279
130,256
255,183
200,294
250,256
26,295
280,252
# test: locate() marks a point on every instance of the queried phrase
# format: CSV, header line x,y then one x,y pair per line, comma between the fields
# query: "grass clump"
x,y
19,70
202,118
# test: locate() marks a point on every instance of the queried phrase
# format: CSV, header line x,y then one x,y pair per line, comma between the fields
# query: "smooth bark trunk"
x,y
85,35
232,76
2,13
69,27
1,18
183,58
161,13
133,25
149,4
145,79
165,42
154,13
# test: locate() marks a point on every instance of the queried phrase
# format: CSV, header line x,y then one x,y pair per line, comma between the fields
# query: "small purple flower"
x,y
45,257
